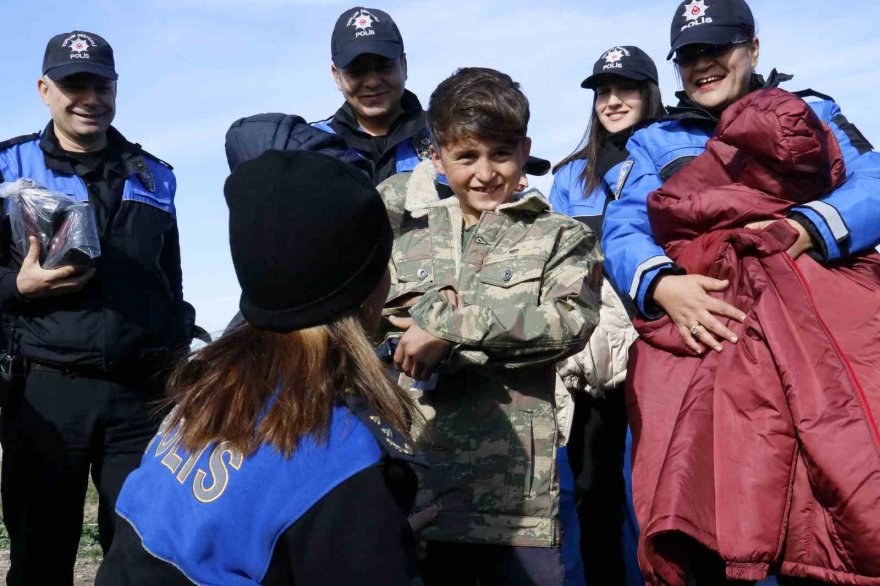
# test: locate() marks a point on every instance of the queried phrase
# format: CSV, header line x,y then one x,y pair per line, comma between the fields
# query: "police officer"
x,y
380,119
89,343
306,482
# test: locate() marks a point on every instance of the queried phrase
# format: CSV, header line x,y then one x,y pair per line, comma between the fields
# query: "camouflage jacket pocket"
x,y
513,280
412,276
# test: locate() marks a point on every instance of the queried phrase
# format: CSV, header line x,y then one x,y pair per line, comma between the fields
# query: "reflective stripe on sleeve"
x,y
643,268
832,217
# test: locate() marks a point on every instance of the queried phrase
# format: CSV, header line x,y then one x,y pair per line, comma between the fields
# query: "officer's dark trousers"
x,y
53,431
596,451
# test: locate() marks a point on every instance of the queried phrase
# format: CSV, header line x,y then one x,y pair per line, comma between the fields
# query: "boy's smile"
x,y
482,174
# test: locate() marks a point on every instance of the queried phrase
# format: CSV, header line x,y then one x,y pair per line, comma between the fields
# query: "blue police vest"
x,y
217,515
406,158
26,160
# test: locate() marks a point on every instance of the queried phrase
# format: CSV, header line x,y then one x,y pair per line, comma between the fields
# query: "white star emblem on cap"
x,y
363,22
613,56
695,10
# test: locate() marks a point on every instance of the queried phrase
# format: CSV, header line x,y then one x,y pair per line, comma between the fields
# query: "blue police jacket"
x,y
132,311
847,220
567,194
405,157
406,144
217,515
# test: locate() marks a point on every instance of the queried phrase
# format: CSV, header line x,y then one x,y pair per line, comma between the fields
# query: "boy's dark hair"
x,y
478,103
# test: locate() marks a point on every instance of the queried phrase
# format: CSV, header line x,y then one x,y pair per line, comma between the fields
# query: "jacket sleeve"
x,y
559,192
601,365
559,325
632,258
169,261
356,534
847,219
8,287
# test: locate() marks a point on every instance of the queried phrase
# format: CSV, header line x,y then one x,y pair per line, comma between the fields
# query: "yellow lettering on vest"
x,y
219,473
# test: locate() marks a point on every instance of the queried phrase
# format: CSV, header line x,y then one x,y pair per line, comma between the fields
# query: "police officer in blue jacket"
x,y
84,346
380,119
626,95
714,47
282,462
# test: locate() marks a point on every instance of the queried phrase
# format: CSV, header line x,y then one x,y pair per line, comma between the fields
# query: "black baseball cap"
x,y
709,22
624,61
536,166
78,52
362,30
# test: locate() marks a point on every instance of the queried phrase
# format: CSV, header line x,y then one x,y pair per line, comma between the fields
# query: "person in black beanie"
x,y
286,458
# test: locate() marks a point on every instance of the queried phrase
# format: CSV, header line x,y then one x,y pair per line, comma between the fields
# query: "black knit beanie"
x,y
310,238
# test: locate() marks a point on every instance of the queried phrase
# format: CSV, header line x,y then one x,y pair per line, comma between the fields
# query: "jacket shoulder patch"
x,y
625,170
392,441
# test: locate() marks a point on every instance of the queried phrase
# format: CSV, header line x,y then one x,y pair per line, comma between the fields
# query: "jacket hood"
x,y
422,195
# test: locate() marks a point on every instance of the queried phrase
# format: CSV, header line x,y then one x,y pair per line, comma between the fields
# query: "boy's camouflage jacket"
x,y
529,281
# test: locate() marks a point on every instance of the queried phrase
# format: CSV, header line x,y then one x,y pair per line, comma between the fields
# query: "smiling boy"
x,y
489,289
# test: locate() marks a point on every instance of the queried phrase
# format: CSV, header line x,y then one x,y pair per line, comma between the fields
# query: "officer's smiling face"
x,y
618,105
82,107
373,86
482,174
716,79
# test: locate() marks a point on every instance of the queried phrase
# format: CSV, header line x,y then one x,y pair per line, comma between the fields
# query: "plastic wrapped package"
x,y
66,229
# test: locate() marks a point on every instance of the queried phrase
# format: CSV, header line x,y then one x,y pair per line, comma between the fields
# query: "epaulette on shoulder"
x,y
811,93
18,140
157,159
391,440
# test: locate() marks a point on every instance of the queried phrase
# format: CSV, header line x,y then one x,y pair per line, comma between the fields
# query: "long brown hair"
x,y
595,136
223,392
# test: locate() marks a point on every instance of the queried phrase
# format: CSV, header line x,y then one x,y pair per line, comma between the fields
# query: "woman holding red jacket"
x,y
751,396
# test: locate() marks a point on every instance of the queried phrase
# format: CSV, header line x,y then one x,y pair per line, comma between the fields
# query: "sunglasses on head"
x,y
690,54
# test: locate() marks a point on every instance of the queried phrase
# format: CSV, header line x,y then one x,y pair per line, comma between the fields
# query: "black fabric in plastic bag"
x,y
66,229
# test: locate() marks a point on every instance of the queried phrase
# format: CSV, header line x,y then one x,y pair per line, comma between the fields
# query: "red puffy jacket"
x,y
767,453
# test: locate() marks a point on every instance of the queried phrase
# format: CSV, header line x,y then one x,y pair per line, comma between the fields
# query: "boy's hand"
x,y
452,298
403,323
421,519
419,353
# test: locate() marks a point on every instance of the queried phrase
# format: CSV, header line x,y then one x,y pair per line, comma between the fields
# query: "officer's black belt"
x,y
86,371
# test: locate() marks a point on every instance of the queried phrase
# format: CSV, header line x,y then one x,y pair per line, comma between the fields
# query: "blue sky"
x,y
189,68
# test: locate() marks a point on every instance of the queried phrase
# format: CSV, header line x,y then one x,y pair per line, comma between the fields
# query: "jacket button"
x,y
422,274
506,275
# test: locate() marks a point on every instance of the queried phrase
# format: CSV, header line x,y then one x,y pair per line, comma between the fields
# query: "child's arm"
x,y
558,326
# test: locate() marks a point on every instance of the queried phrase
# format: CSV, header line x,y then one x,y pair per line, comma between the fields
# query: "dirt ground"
x,y
83,573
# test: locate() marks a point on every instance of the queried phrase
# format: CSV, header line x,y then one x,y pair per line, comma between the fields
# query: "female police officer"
x,y
626,93
281,463
716,51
